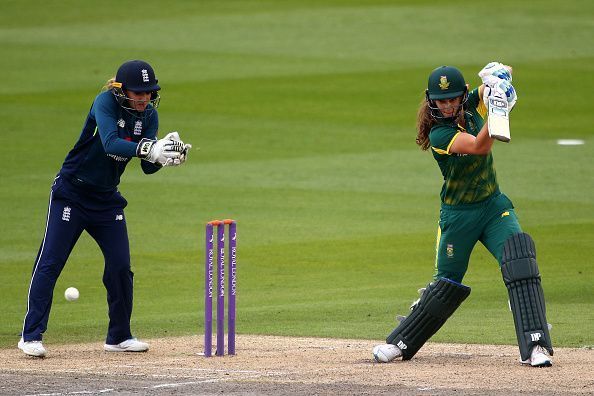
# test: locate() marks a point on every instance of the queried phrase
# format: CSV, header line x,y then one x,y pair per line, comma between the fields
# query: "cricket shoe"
x,y
32,348
130,345
539,357
385,353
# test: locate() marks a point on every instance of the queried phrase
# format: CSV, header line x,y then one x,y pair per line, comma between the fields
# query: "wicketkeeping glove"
x,y
185,148
162,151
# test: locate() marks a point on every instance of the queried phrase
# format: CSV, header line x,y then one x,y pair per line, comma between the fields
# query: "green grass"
x,y
304,114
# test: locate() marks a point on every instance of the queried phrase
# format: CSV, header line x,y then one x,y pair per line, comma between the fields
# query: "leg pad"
x,y
522,279
437,303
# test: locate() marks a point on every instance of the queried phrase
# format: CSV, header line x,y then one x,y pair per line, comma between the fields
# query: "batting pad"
x,y
522,279
437,303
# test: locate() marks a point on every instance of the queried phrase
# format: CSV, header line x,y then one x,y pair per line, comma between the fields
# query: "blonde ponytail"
x,y
110,84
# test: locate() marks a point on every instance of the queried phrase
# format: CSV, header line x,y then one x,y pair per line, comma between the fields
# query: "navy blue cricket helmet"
x,y
136,76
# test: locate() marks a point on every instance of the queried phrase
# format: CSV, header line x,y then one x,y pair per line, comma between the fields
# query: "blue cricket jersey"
x,y
107,143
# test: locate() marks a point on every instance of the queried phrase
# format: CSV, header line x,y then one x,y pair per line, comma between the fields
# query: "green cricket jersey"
x,y
467,178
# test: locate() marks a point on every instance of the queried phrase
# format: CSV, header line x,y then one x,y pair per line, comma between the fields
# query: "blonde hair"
x,y
110,84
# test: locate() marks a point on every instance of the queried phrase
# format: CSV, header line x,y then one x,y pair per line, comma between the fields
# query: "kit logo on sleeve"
x,y
118,158
66,213
119,217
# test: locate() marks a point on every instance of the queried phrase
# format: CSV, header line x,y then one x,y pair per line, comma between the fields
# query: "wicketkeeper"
x,y
121,124
453,122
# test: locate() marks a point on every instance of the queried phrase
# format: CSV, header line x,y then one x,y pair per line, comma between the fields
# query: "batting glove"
x,y
502,89
494,71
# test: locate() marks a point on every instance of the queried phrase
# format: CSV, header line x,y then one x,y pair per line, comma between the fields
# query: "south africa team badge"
x,y
450,250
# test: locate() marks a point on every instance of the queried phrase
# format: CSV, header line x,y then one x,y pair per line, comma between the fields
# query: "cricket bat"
x,y
498,119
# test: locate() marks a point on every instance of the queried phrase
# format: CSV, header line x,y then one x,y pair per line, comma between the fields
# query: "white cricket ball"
x,y
385,353
71,294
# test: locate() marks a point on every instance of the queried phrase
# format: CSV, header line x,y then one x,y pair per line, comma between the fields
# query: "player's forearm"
x,y
483,141
107,128
465,143
117,146
149,168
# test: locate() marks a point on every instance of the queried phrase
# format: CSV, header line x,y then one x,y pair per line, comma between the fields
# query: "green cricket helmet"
x,y
445,82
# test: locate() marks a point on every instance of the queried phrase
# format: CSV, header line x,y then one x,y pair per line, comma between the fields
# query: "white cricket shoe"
x,y
131,345
385,353
539,357
32,348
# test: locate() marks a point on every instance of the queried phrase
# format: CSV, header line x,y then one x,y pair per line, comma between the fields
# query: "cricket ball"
x,y
71,294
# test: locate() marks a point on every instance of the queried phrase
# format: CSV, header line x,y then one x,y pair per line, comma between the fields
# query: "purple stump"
x,y
221,290
232,285
208,289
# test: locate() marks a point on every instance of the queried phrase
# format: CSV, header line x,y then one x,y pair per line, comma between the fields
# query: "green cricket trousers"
x,y
492,222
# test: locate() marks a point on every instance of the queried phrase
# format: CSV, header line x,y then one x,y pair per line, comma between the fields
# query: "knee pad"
x,y
522,279
437,303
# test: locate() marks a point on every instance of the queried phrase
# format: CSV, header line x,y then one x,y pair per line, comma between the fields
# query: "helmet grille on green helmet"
x,y
445,82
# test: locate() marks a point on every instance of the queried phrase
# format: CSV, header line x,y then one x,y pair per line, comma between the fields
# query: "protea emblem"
x,y
450,250
443,83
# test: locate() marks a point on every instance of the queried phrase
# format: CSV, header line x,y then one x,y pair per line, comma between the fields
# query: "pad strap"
x,y
437,303
522,279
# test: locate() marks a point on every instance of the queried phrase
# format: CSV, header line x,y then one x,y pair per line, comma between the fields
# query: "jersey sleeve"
x,y
104,110
442,137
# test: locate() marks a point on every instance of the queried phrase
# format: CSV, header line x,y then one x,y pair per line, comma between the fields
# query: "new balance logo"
x,y
401,345
66,213
535,337
121,123
120,217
